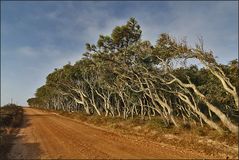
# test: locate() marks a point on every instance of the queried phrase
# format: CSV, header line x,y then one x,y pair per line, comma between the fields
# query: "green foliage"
x,y
11,116
126,35
123,75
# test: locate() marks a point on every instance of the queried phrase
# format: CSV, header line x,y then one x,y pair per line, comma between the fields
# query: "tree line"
x,y
125,76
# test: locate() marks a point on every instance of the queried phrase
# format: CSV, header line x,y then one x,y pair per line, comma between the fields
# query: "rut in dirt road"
x,y
47,135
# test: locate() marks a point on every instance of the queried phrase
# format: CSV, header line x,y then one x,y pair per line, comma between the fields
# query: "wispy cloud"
x,y
217,23
27,51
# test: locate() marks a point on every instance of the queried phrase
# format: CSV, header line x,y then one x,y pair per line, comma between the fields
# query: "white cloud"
x,y
27,51
40,52
212,21
52,56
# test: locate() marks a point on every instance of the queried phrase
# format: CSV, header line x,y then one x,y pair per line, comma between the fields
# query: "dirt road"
x,y
48,135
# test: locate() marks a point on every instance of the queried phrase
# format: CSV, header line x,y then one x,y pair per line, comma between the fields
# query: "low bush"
x,y
11,116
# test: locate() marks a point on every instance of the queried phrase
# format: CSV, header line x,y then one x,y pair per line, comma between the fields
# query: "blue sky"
x,y
37,37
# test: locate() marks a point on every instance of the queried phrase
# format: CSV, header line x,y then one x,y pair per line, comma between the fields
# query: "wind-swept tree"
x,y
125,76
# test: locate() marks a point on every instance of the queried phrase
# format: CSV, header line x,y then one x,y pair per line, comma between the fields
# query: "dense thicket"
x,y
10,116
123,75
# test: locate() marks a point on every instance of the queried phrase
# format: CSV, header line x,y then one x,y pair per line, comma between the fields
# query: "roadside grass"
x,y
11,117
187,136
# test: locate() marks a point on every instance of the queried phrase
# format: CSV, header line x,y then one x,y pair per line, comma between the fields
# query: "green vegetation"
x,y
125,76
11,116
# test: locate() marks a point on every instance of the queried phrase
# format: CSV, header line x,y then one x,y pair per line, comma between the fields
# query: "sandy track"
x,y
47,135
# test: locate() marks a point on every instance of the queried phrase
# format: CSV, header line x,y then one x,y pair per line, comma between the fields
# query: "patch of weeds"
x,y
116,126
186,126
137,121
82,118
228,137
201,132
156,124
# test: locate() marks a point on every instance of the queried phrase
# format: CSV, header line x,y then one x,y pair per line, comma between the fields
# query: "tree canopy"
x,y
123,75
